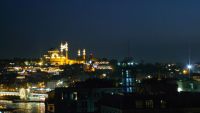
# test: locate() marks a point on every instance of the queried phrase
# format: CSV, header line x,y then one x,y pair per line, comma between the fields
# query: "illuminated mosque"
x,y
60,57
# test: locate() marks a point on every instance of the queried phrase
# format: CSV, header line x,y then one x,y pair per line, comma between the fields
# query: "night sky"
x,y
156,30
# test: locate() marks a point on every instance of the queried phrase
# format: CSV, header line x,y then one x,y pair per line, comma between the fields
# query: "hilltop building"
x,y
60,56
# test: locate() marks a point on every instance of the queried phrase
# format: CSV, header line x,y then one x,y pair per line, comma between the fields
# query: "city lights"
x,y
60,57
179,89
189,66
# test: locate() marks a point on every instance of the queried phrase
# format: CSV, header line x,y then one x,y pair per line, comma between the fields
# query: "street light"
x,y
189,68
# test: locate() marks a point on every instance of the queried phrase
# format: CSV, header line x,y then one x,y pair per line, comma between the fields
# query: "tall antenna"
x,y
189,59
129,48
189,54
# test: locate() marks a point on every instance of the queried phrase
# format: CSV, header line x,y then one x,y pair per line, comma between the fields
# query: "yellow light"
x,y
40,63
185,72
84,52
79,52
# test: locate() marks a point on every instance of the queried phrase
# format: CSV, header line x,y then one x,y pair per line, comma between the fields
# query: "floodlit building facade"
x,y
61,56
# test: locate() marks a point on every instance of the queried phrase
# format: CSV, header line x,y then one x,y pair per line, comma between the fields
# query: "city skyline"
x,y
156,30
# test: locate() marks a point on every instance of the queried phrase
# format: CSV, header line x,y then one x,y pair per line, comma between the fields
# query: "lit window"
x,y
149,103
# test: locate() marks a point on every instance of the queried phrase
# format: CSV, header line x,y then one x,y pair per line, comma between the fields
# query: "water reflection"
x,y
25,107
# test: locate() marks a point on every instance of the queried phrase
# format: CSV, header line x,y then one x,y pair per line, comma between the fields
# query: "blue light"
x,y
189,66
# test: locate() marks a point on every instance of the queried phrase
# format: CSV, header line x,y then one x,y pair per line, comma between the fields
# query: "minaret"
x,y
61,48
79,53
84,54
64,47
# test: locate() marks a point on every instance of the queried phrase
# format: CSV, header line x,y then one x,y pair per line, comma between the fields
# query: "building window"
x,y
163,104
131,89
149,103
75,96
127,73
